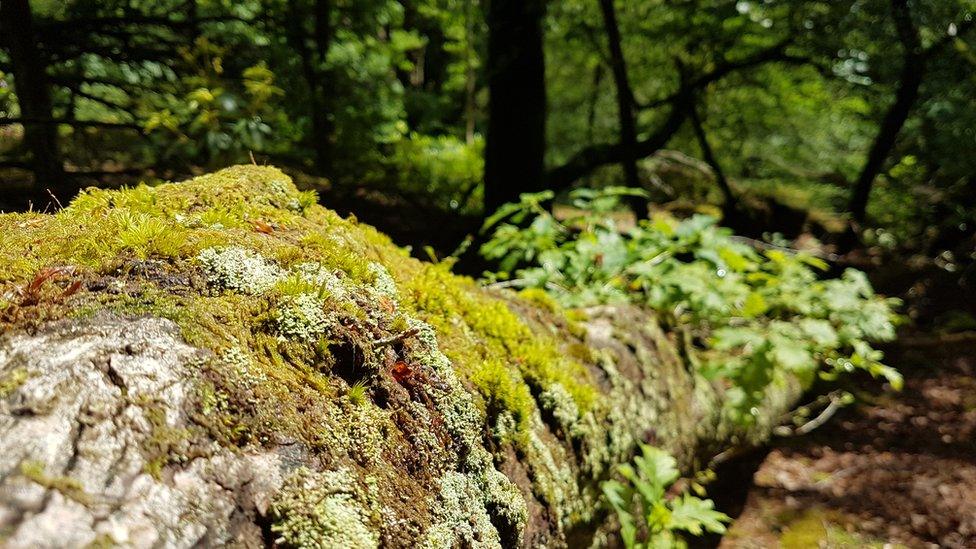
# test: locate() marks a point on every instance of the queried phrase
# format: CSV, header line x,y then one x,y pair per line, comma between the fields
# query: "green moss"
x,y
102,541
165,444
68,487
817,527
493,347
539,297
12,380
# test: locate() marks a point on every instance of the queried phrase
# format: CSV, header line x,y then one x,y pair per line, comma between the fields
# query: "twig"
x,y
378,344
759,244
55,198
836,403
506,284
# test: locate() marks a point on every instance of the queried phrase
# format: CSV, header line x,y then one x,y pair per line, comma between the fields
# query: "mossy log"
x,y
223,361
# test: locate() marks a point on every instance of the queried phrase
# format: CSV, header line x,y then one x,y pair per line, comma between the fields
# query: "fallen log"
x,y
223,361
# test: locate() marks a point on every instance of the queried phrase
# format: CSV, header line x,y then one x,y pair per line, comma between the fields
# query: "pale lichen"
x,y
238,269
322,509
317,275
383,282
301,317
557,400
462,519
243,366
466,495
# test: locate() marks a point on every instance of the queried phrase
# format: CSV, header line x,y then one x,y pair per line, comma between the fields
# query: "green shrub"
x,y
749,315
442,167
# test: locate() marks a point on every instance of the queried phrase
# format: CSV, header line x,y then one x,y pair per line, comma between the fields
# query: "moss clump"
x,y
165,444
314,510
66,486
12,380
494,348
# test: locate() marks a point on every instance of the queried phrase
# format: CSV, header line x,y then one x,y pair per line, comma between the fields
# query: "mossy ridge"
x,y
148,250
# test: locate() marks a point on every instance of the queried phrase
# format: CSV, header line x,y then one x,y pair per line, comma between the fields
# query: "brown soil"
x,y
897,469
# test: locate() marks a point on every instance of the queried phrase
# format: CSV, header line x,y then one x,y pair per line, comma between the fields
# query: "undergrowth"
x,y
748,316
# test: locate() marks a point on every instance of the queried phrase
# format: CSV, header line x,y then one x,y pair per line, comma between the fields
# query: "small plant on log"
x,y
650,516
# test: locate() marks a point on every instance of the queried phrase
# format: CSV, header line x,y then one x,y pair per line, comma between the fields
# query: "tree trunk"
x,y
912,73
515,148
470,76
319,85
592,103
33,97
324,124
625,101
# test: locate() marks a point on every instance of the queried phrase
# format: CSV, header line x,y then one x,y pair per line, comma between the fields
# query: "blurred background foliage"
x,y
774,113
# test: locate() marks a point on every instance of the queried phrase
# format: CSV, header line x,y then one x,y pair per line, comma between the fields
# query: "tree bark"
x,y
33,96
470,75
912,73
592,103
515,148
625,95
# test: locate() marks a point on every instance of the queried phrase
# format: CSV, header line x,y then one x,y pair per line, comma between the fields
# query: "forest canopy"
x,y
854,109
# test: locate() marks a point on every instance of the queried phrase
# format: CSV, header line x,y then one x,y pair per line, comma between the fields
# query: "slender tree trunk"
x,y
593,101
913,70
325,98
625,95
33,97
515,148
320,98
710,158
470,77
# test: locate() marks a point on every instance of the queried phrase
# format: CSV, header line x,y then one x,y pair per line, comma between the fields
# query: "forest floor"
x,y
893,470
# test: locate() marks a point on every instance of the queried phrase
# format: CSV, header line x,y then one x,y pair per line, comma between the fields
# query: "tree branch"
x,y
774,53
595,156
71,122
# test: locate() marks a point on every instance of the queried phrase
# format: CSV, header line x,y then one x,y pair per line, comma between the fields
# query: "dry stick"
x,y
836,403
395,339
56,201
759,244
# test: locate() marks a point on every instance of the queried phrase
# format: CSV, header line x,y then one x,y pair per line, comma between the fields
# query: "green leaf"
x,y
696,516
755,305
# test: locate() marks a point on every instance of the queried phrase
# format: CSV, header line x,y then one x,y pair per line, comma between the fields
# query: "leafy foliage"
x,y
443,168
750,315
648,518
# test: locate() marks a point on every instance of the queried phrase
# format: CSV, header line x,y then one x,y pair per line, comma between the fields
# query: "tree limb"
x,y
71,122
